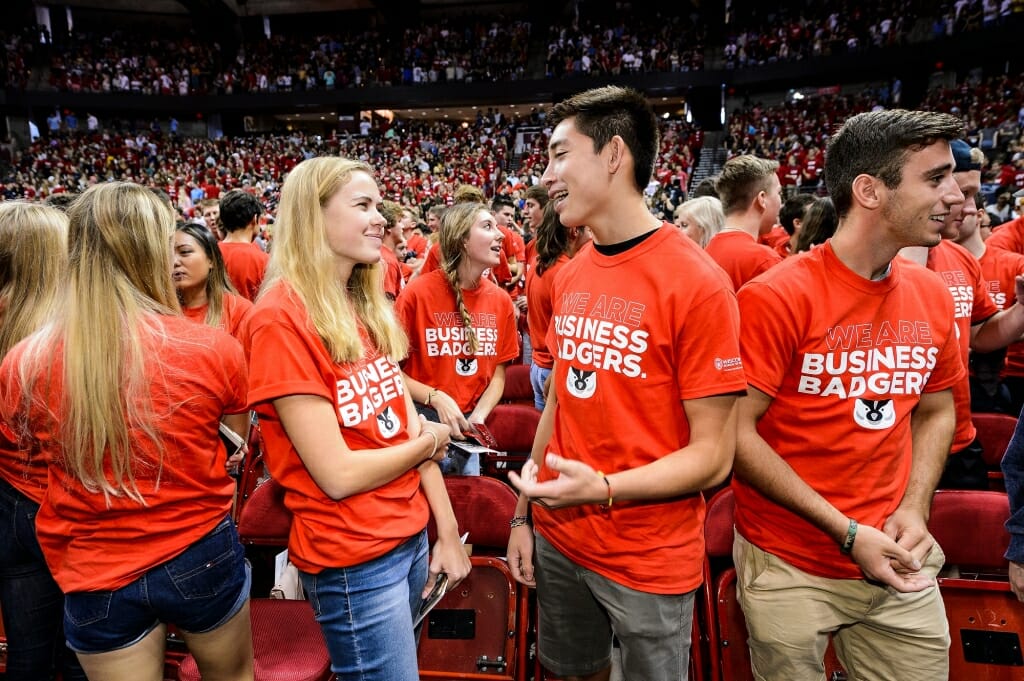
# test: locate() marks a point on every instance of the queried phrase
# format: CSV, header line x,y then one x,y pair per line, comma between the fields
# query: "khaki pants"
x,y
879,633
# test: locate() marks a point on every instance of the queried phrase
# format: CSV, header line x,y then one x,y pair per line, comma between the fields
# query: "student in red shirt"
x,y
848,418
556,245
33,273
342,436
246,263
638,420
123,398
461,326
204,290
751,197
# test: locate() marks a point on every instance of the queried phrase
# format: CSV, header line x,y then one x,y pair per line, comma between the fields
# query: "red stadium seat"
x,y
986,622
518,389
287,641
513,427
478,630
994,432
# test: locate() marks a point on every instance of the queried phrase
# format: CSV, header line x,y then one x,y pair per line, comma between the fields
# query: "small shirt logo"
x,y
874,414
581,383
466,366
388,423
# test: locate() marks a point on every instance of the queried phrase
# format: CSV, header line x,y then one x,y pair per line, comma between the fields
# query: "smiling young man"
x,y
982,325
851,354
639,418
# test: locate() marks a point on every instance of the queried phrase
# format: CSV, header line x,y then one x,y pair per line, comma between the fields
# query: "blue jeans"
x,y
537,377
33,604
198,591
366,611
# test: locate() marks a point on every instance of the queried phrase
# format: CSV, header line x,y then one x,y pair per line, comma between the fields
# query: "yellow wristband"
x,y
611,497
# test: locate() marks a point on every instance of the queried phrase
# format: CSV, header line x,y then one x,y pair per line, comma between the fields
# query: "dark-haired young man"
x,y
639,416
850,355
245,262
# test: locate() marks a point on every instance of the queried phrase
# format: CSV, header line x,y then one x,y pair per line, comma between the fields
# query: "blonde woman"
x,y
342,436
461,326
33,272
700,219
122,397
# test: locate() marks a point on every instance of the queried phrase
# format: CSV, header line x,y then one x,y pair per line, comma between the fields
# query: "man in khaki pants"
x,y
850,354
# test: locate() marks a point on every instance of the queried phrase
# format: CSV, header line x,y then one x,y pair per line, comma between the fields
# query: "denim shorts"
x,y
198,591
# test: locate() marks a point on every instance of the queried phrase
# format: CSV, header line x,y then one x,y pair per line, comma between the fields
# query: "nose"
x,y
954,195
548,178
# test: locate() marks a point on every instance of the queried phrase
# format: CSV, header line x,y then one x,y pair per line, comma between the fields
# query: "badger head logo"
x,y
874,414
466,366
581,383
388,423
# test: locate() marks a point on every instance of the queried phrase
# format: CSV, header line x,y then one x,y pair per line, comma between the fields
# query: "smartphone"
x,y
433,598
483,436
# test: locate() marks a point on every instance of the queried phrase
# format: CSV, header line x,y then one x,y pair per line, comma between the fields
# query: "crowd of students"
x,y
359,384
597,41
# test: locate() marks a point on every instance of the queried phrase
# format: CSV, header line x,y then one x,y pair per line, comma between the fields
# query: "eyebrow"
x,y
556,142
945,167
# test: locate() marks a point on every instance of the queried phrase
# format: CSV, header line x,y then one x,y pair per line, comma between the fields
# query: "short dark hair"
x,y
877,143
706,187
500,201
604,112
237,209
792,209
61,201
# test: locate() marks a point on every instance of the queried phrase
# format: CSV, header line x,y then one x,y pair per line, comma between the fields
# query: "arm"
x,y
931,426
312,427
761,466
1002,328
520,540
448,554
490,397
1013,473
447,409
703,462
240,424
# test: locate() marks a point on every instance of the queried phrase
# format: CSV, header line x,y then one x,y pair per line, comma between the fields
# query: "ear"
x,y
867,191
616,152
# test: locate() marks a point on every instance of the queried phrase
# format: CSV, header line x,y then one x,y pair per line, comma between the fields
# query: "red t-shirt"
x,y
538,308
845,360
439,352
1008,236
433,260
418,244
630,344
741,256
775,239
393,280
234,317
287,357
1000,268
197,374
246,264
24,469
961,273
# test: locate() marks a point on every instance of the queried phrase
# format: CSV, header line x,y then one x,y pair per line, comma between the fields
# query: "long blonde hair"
x,y
303,258
119,283
455,226
33,266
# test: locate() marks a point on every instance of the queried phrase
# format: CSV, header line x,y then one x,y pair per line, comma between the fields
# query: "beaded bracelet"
x,y
851,535
519,521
